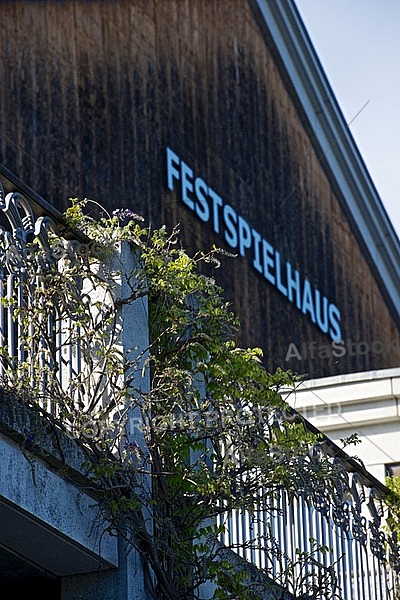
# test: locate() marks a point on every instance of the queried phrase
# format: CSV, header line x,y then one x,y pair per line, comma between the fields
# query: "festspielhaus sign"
x,y
239,235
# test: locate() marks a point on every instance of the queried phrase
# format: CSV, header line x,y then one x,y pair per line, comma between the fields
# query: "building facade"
x,y
216,116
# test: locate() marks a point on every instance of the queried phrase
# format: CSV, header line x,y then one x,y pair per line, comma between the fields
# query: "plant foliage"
x,y
182,433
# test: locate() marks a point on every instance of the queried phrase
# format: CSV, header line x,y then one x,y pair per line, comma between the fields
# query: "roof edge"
x,y
283,23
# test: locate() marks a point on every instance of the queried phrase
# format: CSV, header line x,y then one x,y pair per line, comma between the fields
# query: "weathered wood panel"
x,y
92,93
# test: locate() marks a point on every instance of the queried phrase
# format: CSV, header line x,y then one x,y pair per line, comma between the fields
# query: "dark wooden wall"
x,y
91,94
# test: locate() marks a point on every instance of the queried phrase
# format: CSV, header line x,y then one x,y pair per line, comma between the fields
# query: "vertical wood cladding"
x,y
92,93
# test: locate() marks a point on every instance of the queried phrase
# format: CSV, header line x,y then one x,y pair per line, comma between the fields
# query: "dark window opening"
x,y
393,470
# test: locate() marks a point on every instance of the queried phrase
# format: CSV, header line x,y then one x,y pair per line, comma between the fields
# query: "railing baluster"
x,y
20,333
2,323
10,320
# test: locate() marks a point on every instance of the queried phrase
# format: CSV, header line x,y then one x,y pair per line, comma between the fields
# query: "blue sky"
x,y
358,45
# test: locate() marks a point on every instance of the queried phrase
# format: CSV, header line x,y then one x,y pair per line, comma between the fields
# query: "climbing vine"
x,y
179,434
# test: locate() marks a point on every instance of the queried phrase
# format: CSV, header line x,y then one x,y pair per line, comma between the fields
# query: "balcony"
x,y
331,541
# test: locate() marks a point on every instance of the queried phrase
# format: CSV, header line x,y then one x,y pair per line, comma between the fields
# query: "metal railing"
x,y
338,545
47,348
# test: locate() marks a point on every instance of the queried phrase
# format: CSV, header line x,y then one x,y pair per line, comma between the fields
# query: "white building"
x,y
366,404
